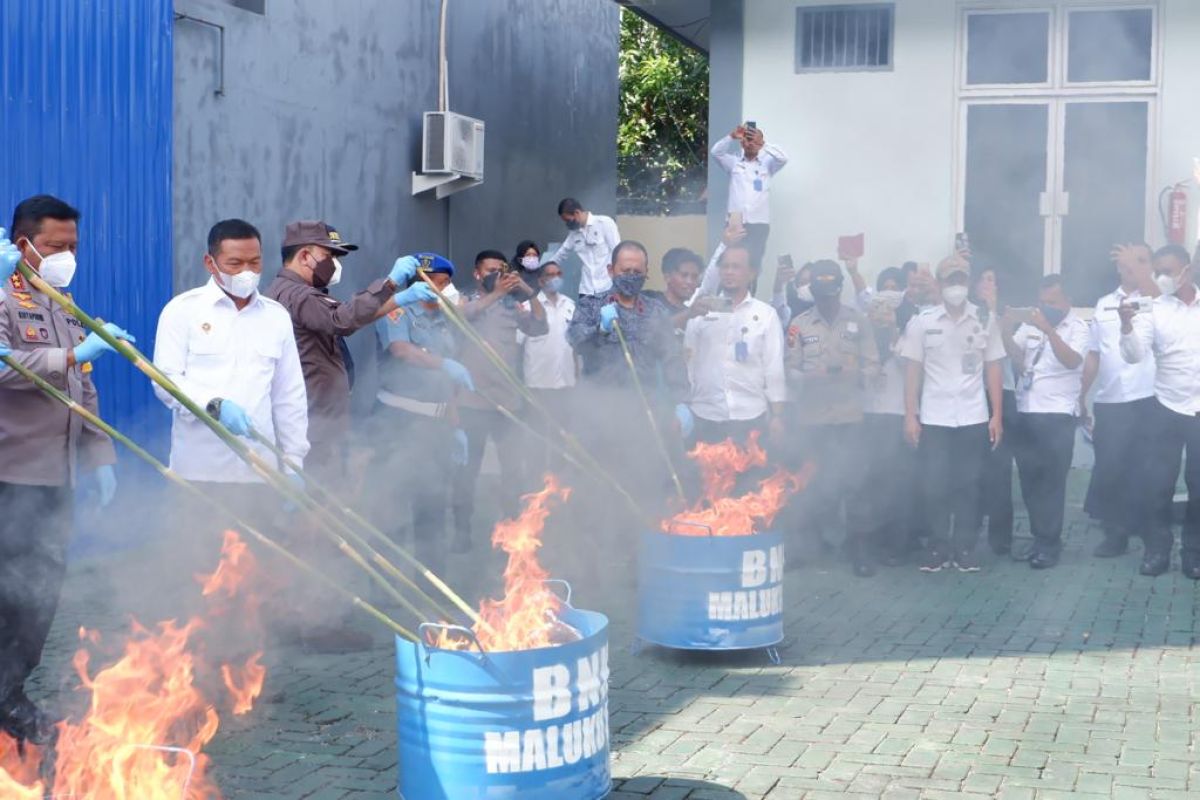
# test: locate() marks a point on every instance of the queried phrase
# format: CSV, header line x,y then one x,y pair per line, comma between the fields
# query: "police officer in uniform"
x,y
415,420
831,355
952,353
44,448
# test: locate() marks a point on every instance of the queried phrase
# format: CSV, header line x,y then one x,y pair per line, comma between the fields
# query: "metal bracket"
x,y
773,654
220,29
445,184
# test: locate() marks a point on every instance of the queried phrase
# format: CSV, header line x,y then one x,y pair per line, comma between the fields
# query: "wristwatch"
x,y
214,408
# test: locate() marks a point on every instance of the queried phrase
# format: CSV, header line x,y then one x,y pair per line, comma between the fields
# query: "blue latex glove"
x,y
459,454
404,270
459,373
420,292
608,315
10,256
687,423
4,351
106,482
234,418
93,346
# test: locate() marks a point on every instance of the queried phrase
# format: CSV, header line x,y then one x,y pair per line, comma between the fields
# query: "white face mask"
x,y
954,296
451,293
804,293
242,285
530,263
337,273
57,269
1168,284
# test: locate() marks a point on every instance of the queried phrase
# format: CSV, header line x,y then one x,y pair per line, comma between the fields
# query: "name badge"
x,y
758,184
810,340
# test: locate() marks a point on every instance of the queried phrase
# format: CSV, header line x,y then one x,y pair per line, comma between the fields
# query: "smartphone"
x,y
1140,304
785,261
851,246
1022,314
751,125
735,220
962,242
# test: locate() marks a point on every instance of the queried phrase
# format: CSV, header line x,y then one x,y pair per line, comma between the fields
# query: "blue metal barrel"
x,y
526,725
711,592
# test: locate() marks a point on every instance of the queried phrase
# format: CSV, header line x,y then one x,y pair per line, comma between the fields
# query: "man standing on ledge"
x,y
43,447
751,163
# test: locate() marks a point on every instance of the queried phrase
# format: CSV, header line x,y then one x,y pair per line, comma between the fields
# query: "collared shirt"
x,y
548,359
210,349
953,353
42,442
593,242
749,179
652,342
829,364
498,325
1117,381
1045,386
735,362
1171,331
427,330
319,323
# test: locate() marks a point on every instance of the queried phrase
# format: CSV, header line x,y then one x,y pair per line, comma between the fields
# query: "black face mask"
x,y
489,282
573,225
1052,314
323,272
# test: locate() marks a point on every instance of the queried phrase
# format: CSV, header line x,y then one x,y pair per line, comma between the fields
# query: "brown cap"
x,y
314,231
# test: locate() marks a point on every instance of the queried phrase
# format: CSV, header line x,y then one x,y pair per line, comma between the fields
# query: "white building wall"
x,y
877,152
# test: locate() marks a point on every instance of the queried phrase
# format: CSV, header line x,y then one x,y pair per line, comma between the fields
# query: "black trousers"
x,y
996,492
951,466
1172,434
1044,447
480,425
756,241
893,489
412,459
35,527
1119,496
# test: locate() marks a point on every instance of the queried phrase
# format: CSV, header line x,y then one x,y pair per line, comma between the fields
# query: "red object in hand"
x,y
850,246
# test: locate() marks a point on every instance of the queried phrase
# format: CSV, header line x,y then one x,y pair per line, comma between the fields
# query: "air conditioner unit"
x,y
452,143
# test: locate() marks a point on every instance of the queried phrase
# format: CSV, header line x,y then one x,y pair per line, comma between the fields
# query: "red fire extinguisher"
x,y
1174,212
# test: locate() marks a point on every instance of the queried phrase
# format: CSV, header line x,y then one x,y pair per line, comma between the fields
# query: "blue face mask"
x,y
553,285
629,284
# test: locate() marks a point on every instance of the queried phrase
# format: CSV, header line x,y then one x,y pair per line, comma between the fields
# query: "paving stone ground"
x,y
1009,683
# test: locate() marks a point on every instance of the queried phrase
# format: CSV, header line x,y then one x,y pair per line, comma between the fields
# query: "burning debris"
x,y
527,617
718,514
148,718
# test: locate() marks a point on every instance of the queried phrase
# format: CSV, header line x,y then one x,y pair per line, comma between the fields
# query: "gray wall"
x,y
321,117
725,52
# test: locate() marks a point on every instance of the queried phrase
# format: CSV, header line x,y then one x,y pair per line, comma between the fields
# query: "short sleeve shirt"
x,y
953,354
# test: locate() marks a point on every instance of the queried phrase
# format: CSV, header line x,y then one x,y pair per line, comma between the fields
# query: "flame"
x,y
247,686
718,514
147,720
526,617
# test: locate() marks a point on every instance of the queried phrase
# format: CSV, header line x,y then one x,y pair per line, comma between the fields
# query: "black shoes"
x,y
1155,564
21,719
1042,560
964,561
1111,547
935,562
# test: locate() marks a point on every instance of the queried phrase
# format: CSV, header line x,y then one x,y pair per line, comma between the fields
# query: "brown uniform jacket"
x,y
42,443
828,365
318,322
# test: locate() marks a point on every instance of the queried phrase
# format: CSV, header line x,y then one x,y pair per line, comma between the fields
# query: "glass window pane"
x,y
1110,45
1008,48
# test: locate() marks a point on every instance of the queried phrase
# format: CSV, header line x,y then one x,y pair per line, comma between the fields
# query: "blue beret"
x,y
432,262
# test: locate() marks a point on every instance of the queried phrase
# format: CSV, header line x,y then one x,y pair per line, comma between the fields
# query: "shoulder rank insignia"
x,y
17,282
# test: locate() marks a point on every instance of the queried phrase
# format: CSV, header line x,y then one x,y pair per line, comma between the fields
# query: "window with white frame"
x,y
845,37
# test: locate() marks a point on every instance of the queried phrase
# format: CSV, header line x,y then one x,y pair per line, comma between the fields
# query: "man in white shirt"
x,y
231,349
1171,332
951,355
549,361
1121,407
751,163
1047,357
593,238
734,357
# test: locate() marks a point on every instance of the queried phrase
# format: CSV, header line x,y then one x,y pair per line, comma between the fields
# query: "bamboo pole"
x,y
468,330
272,476
77,408
658,437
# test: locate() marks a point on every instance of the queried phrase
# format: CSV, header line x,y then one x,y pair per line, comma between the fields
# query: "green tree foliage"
x,y
663,134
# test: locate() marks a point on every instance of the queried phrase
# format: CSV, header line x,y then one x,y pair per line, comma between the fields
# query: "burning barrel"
x,y
712,577
709,592
527,724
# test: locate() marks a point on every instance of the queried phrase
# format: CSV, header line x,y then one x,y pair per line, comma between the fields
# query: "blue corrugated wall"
x,y
85,114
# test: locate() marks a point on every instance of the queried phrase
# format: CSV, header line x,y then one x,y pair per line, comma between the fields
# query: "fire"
x,y
721,515
526,617
147,721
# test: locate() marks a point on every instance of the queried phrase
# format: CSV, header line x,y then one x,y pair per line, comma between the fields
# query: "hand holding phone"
x,y
851,247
